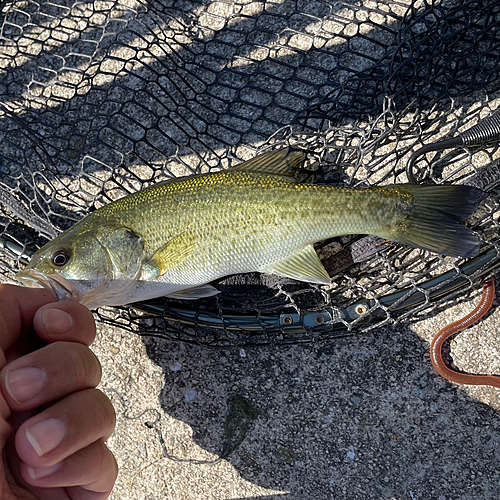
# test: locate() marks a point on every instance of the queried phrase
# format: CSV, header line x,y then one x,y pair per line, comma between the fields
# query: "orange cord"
x,y
437,342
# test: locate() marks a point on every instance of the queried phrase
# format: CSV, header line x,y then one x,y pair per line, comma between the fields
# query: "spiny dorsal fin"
x,y
303,265
284,162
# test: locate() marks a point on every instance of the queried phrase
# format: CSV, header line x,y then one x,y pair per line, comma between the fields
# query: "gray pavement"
x,y
354,418
363,417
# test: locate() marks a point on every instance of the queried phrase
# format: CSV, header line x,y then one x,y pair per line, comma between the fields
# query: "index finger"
x,y
67,321
18,306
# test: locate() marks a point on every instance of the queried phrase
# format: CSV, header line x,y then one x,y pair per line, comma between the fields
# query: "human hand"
x,y
53,422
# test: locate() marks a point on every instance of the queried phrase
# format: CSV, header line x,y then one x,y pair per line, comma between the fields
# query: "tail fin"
x,y
432,220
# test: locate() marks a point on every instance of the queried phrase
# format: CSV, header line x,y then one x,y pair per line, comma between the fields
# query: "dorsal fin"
x,y
284,162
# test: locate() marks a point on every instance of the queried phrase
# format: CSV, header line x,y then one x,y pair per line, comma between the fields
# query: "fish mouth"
x,y
56,284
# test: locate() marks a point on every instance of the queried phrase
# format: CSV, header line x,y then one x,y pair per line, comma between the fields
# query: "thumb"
x,y
18,306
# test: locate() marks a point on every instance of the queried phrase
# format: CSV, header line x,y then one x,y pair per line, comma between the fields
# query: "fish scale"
x,y
175,237
261,220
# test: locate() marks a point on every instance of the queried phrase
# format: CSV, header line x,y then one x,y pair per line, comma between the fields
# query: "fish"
x,y
176,237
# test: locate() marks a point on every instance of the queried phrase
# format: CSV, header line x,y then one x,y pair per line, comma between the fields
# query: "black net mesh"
x,y
100,99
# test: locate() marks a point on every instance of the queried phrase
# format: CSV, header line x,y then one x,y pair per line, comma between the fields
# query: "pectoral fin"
x,y
303,265
170,255
194,293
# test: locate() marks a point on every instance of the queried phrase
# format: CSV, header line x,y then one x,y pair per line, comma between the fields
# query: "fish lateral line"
x,y
185,233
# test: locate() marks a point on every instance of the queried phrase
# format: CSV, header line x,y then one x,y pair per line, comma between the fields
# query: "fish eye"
x,y
60,258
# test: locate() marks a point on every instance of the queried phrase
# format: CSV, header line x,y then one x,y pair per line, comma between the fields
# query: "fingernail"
x,y
56,320
46,435
24,384
39,472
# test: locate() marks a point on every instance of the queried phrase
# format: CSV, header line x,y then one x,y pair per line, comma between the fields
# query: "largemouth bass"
x,y
173,238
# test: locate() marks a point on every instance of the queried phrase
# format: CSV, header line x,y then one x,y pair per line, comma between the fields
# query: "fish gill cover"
x,y
101,99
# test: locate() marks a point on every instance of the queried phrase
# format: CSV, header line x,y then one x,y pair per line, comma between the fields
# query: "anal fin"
x,y
303,265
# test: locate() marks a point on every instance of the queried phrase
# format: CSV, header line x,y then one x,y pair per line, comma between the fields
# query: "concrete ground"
x,y
353,418
362,417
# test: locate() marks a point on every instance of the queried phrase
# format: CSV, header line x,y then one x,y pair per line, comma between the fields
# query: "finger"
x,y
65,428
18,305
15,466
65,320
91,472
49,374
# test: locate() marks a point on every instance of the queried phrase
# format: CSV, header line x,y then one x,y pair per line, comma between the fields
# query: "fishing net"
x,y
100,99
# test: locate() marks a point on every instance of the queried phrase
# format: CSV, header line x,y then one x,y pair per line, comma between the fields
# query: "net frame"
x,y
97,104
